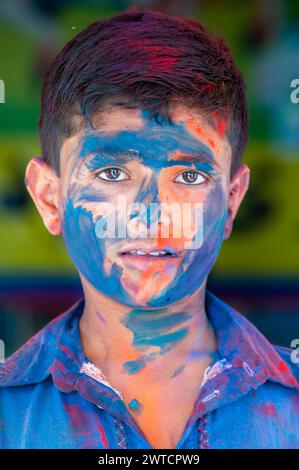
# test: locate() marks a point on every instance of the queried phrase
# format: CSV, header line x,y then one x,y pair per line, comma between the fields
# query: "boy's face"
x,y
144,207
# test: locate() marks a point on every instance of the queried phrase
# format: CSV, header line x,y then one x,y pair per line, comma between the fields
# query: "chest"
x,y
162,416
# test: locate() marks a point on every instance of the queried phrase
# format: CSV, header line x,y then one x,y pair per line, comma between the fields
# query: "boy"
x,y
143,125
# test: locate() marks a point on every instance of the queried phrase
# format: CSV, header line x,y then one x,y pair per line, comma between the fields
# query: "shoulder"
x,y
244,342
291,358
32,362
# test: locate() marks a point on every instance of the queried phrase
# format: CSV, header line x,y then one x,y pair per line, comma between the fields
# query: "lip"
x,y
146,261
147,248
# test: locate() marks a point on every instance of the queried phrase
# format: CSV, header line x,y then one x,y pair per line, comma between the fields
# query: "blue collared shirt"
x,y
52,396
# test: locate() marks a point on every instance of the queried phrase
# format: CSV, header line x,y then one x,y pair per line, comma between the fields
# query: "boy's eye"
x,y
112,174
190,177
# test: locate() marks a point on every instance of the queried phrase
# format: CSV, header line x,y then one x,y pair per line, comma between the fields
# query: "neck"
x,y
152,344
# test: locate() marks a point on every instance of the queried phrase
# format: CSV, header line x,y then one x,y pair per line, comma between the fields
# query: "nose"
x,y
148,195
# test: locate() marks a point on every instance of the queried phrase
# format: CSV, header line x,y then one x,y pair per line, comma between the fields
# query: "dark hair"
x,y
145,59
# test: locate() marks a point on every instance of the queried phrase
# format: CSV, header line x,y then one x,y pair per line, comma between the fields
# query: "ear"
x,y
238,188
42,184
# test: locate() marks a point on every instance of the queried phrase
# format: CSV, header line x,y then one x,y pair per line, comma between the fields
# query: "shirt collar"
x,y
57,350
244,346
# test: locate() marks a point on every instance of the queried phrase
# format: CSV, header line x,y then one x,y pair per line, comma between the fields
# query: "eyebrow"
x,y
92,146
197,155
205,157
97,160
107,154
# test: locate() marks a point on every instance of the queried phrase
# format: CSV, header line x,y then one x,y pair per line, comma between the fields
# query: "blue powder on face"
x,y
135,406
80,230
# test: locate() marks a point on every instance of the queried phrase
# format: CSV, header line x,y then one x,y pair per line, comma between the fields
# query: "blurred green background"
x,y
258,267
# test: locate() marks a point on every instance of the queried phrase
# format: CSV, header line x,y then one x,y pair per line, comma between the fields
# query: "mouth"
x,y
143,257
152,254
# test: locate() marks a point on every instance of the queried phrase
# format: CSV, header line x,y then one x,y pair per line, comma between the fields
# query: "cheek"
x,y
185,209
84,247
198,263
170,192
88,252
214,217
97,200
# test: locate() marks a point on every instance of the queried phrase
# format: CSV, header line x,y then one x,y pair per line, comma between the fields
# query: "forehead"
x,y
131,129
